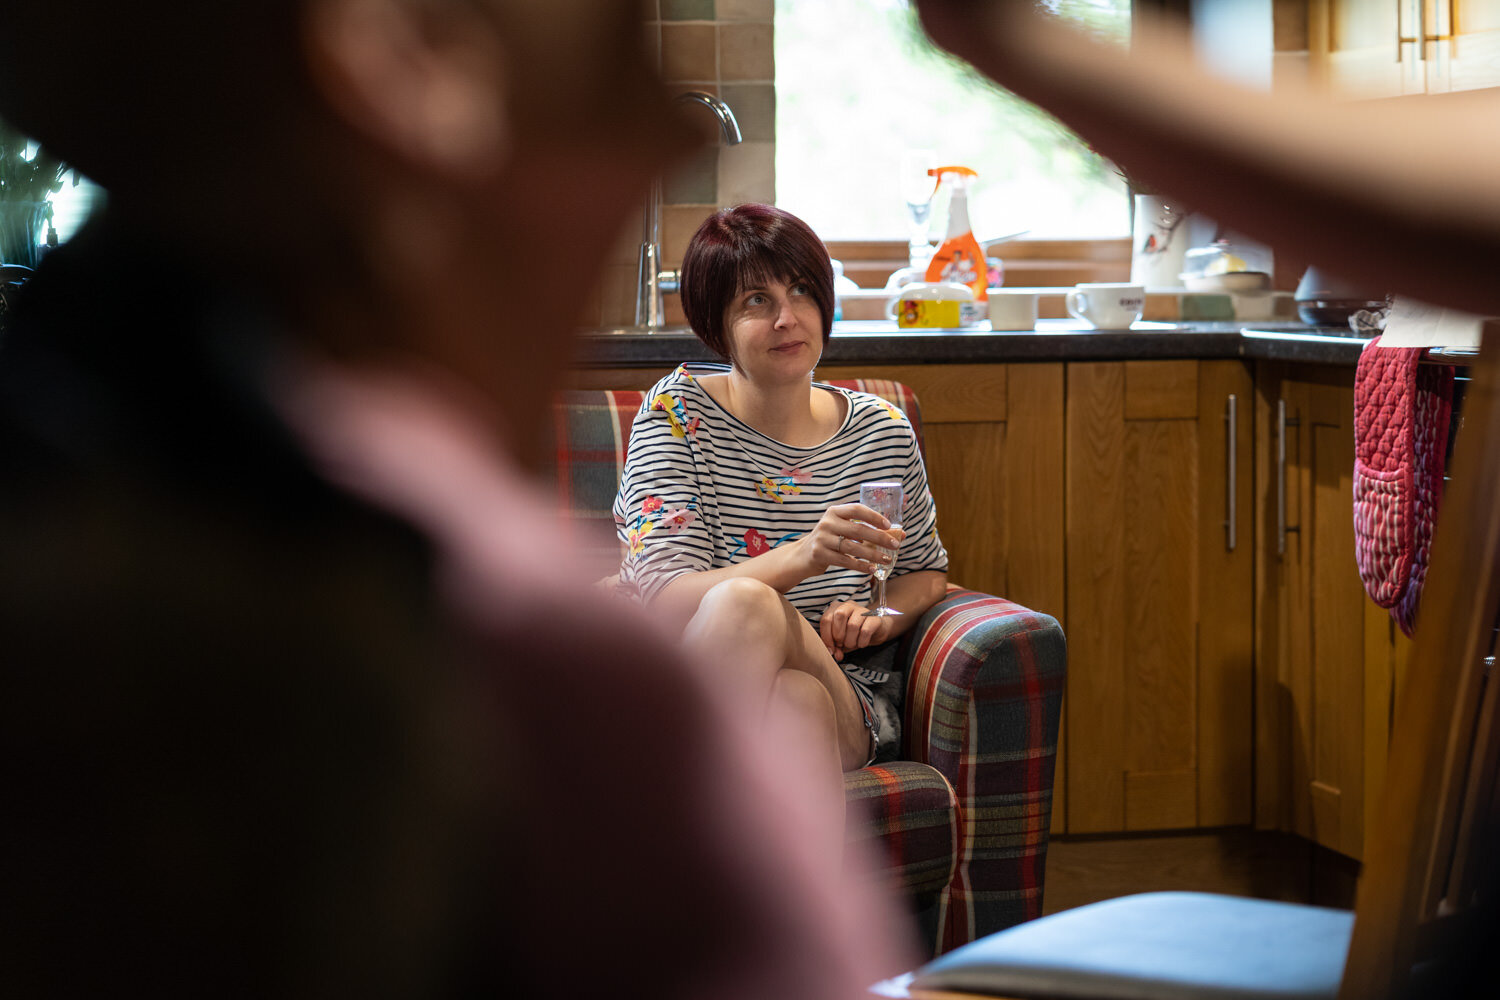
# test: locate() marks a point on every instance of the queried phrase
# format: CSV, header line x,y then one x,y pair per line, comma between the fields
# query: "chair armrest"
x,y
983,703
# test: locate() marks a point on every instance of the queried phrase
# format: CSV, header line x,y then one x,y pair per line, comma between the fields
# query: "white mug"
x,y
1106,305
1012,309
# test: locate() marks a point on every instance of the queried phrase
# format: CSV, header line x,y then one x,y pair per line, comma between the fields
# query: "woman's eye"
x,y
801,288
755,300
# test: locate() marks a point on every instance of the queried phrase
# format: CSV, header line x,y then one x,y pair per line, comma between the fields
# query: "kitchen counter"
x,y
880,342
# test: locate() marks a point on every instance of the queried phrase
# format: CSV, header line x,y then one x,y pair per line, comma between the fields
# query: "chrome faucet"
x,y
651,280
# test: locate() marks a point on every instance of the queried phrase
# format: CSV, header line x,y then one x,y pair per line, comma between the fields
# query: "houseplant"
x,y
25,186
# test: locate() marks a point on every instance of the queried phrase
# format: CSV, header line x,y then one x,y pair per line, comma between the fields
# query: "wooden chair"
x,y
1422,915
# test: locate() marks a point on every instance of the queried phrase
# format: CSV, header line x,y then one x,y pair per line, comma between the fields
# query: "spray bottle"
x,y
960,258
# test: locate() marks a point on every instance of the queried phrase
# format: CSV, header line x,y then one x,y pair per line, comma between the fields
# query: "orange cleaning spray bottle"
x,y
960,258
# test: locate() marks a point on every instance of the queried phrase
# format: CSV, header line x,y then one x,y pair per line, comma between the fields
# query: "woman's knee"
x,y
742,600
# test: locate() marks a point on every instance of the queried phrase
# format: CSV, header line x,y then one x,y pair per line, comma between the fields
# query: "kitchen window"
x,y
857,84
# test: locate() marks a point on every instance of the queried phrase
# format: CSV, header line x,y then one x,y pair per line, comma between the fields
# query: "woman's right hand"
x,y
849,536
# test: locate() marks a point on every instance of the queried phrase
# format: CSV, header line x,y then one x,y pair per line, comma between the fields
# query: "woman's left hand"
x,y
845,628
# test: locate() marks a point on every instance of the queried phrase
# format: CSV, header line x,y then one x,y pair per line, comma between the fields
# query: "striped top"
x,y
702,490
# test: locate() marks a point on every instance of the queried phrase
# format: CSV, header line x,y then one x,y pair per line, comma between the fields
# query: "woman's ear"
x,y
424,78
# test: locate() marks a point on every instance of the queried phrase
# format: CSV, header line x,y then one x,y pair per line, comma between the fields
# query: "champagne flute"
x,y
885,498
917,188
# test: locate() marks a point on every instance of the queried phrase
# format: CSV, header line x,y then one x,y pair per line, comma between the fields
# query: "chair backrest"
x,y
593,435
1428,857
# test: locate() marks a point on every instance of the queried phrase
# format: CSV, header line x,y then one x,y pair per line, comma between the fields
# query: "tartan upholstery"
x,y
983,705
910,811
962,819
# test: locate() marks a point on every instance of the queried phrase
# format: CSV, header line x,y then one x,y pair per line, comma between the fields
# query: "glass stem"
x,y
880,592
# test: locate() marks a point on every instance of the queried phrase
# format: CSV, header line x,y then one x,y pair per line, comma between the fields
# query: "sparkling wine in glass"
x,y
884,498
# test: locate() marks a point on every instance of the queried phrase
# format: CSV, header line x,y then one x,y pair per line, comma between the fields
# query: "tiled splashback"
x,y
723,47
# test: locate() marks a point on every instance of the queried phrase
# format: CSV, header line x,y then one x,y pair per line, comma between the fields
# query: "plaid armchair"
x,y
963,817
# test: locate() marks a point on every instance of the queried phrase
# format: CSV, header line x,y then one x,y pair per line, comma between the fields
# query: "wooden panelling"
x,y
1034,490
1326,665
1237,862
1095,561
1159,581
1338,598
1226,662
966,466
1160,662
1161,390
1033,482
1161,800
1272,695
947,393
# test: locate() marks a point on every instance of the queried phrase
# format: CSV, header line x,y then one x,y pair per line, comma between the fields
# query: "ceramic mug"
x,y
935,305
1106,305
1012,309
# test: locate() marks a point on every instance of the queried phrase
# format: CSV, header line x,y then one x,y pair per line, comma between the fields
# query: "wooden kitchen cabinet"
x,y
1365,48
1389,48
1465,54
1328,658
1159,595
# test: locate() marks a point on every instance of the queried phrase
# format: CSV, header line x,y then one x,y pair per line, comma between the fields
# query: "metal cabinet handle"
x,y
1282,423
1231,427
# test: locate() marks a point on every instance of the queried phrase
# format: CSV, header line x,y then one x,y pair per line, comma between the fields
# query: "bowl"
x,y
1333,312
1237,282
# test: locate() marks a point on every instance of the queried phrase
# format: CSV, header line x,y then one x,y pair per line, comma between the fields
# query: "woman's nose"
x,y
785,316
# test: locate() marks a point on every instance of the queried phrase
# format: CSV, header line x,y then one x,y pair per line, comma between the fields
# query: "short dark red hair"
x,y
745,247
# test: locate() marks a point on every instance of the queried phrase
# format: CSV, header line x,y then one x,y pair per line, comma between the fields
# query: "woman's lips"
x,y
788,347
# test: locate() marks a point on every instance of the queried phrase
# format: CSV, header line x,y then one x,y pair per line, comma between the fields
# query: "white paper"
x,y
1416,324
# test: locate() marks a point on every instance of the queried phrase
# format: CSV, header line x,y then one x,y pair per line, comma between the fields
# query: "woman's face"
x,y
775,331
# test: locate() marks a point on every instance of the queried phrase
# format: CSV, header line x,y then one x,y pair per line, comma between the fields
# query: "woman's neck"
x,y
793,413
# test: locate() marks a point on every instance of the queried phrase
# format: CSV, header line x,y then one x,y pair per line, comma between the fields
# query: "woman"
x,y
738,505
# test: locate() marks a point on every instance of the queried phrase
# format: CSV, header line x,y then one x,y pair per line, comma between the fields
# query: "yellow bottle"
x,y
960,258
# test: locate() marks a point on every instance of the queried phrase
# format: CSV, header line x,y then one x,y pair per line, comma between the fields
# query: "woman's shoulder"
x,y
867,406
686,378
678,401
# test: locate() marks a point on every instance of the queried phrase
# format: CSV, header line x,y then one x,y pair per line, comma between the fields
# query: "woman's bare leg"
x,y
758,636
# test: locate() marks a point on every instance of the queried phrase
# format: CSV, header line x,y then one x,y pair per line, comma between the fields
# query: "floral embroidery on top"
x,y
636,536
676,413
784,483
889,408
652,513
775,489
756,543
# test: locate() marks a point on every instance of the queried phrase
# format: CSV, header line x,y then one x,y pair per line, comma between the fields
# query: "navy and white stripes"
x,y
702,490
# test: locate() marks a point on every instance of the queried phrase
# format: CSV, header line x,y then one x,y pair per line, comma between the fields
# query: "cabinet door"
x,y
1367,48
1462,51
1312,621
1159,605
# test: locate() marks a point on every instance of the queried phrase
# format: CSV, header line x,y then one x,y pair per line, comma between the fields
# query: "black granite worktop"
x,y
1053,340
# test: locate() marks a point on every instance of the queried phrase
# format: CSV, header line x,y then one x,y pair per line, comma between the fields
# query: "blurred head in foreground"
x,y
389,173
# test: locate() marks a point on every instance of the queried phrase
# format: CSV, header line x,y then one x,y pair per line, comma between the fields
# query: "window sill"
x,y
1028,263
